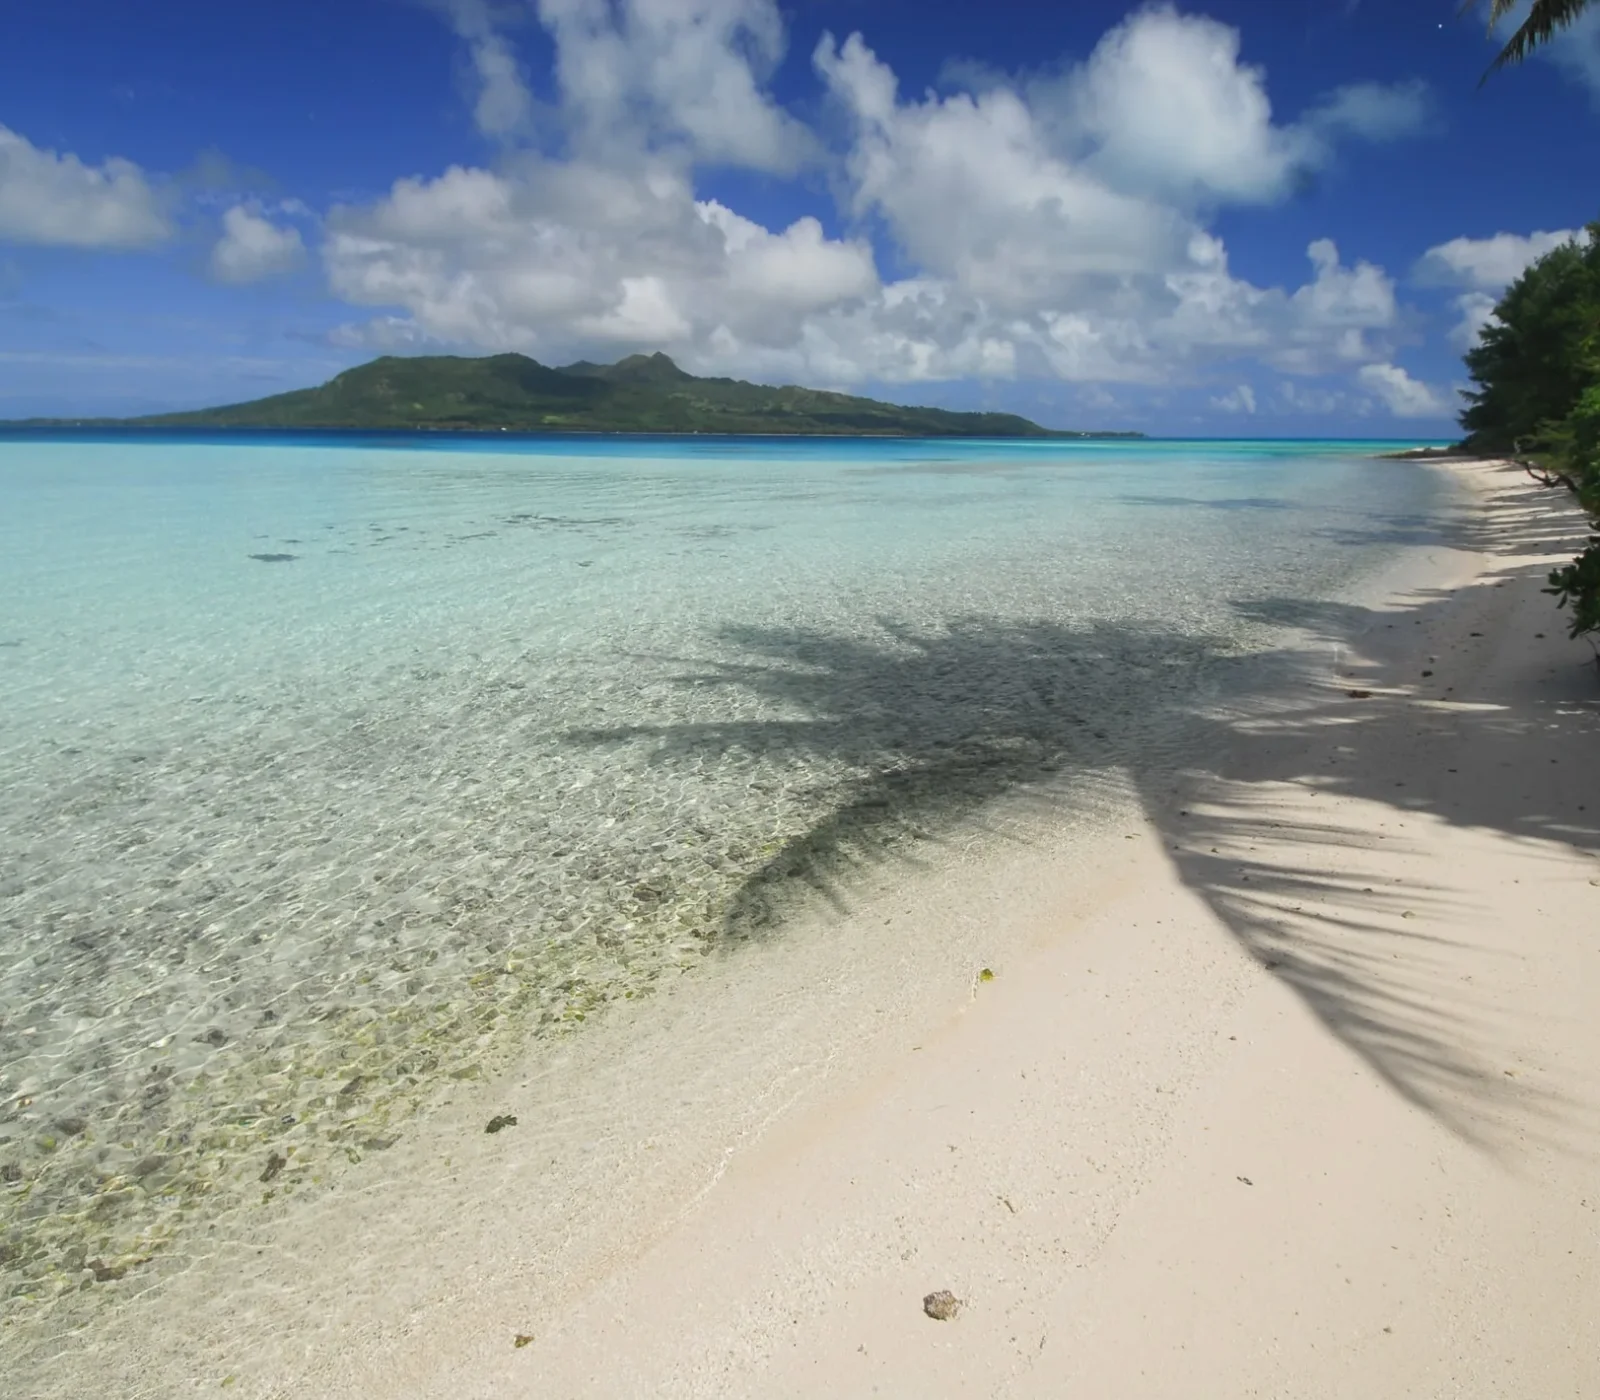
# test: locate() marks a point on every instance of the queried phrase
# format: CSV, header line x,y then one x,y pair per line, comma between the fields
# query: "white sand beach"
x,y
1288,1086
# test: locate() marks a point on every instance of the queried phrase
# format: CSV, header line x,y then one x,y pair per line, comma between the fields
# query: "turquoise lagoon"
x,y
332,769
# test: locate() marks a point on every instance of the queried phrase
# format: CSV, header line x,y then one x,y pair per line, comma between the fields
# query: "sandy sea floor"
x,y
335,775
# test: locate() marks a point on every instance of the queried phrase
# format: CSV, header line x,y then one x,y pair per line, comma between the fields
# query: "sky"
x,y
1234,218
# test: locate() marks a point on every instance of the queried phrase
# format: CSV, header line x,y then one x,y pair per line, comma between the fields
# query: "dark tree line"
x,y
1537,370
1537,362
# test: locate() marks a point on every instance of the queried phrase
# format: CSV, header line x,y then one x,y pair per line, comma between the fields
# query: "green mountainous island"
x,y
641,394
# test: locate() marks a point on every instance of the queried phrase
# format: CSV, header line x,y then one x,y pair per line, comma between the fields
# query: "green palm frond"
x,y
1544,19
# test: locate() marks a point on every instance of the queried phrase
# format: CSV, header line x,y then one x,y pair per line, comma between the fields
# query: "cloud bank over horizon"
x,y
1058,226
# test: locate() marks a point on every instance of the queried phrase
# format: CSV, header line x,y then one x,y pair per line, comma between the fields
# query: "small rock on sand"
x,y
941,1306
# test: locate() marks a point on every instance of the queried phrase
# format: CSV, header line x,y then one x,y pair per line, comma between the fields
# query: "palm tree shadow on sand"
x,y
1009,727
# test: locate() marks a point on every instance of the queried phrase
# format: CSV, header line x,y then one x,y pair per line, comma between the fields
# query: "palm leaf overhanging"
x,y
1544,19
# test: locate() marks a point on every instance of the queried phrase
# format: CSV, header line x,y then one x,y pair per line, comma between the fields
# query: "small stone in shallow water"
x,y
501,1120
941,1306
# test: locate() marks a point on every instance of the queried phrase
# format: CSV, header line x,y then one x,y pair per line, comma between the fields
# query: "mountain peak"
x,y
656,367
632,369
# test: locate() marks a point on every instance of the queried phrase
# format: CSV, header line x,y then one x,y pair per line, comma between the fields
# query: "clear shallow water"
x,y
331,772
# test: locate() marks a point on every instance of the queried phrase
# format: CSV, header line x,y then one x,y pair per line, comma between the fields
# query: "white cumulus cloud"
x,y
54,197
253,247
1404,396
571,258
972,189
1306,398
1490,264
1484,267
1168,109
1372,111
1164,107
1051,229
1240,399
1172,111
1476,310
683,75
502,103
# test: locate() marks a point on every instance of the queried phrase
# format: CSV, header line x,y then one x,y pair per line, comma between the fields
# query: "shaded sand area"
x,y
1287,1084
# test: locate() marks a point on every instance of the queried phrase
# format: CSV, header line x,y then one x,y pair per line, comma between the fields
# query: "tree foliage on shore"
x,y
1537,370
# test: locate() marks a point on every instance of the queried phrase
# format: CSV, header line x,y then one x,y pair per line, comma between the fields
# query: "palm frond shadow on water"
x,y
978,725
945,729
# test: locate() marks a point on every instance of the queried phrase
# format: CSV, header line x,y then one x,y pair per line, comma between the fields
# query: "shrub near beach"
x,y
1537,368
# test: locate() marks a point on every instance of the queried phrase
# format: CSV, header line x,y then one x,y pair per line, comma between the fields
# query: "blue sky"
x,y
1251,216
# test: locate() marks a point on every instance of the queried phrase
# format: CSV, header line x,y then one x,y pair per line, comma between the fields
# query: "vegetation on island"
x,y
1537,370
641,394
